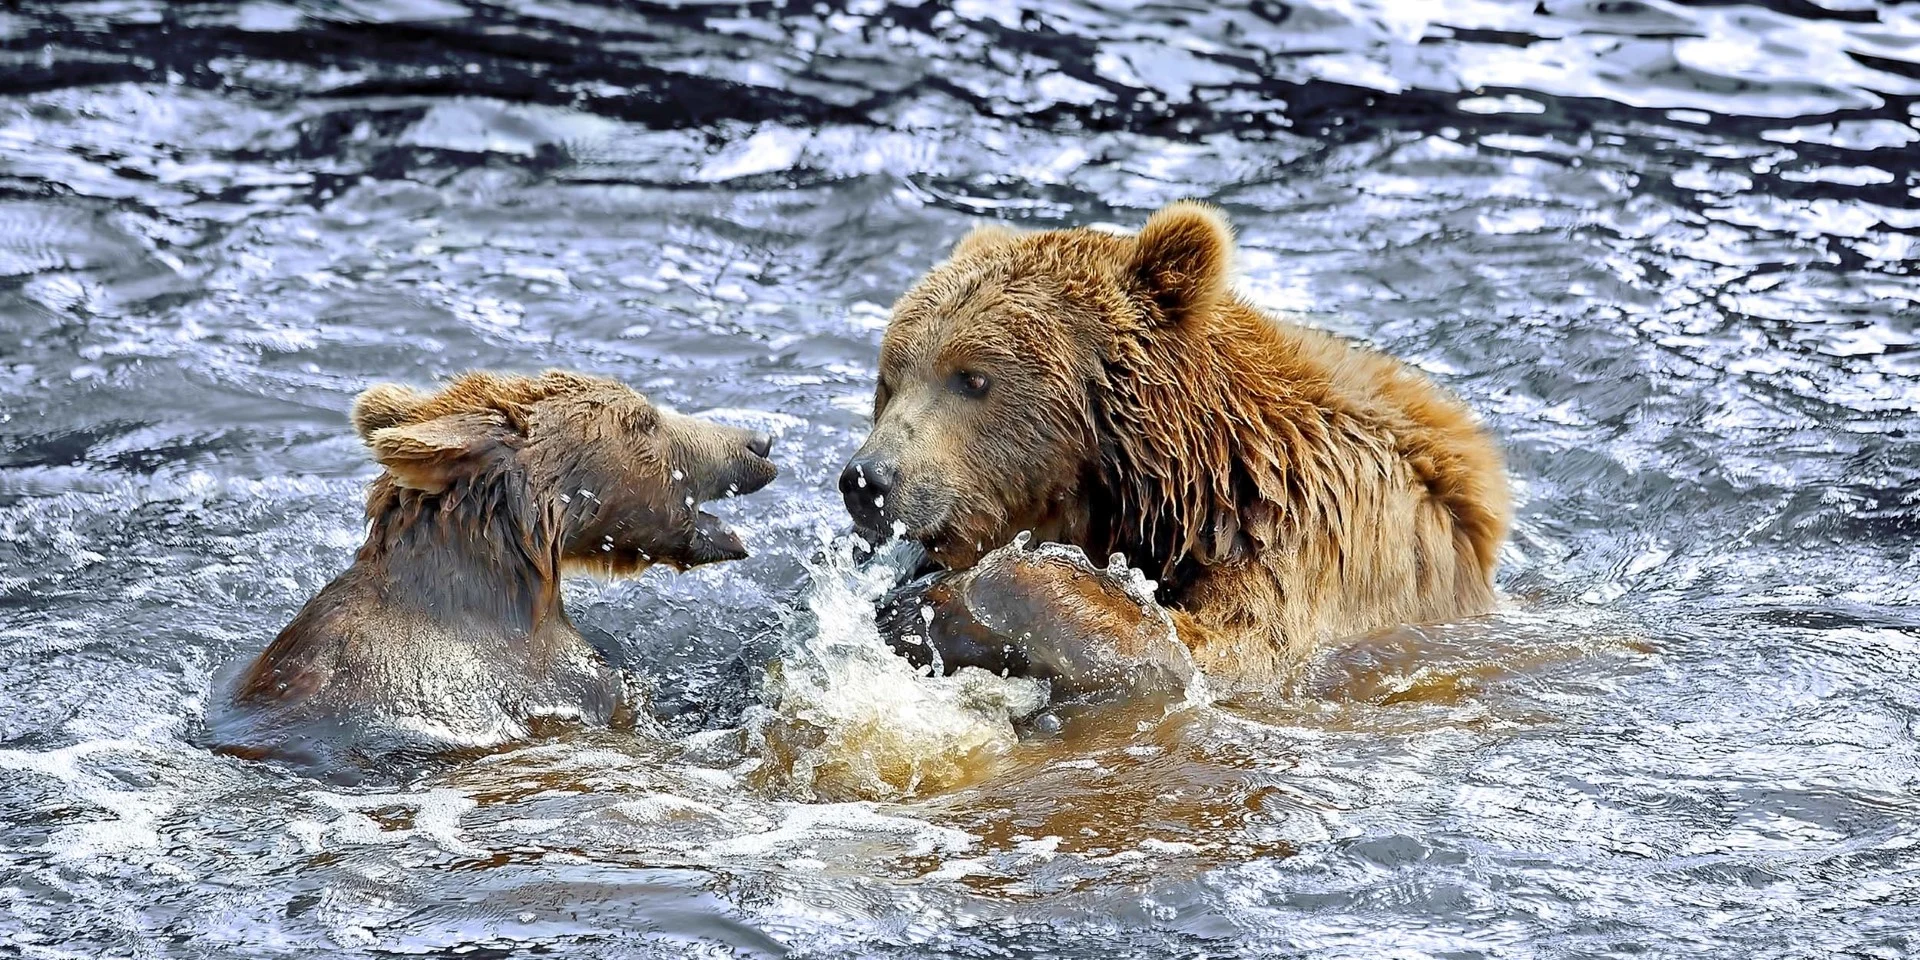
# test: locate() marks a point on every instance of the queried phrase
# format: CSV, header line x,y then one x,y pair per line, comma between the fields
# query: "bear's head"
x,y
1014,379
582,470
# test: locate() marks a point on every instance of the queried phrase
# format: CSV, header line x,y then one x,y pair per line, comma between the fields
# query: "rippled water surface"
x,y
1667,249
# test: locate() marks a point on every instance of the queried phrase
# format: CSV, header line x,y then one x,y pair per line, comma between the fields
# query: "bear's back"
x,y
354,678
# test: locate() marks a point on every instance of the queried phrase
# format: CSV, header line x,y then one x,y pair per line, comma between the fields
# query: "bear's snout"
x,y
865,484
755,470
714,460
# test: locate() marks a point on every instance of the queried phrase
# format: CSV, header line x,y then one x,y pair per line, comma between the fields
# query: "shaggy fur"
x,y
448,629
1284,486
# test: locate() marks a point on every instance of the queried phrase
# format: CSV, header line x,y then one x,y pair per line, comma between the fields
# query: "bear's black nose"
x,y
865,484
760,444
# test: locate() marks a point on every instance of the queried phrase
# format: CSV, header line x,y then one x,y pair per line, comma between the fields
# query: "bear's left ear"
x,y
384,405
431,454
1183,259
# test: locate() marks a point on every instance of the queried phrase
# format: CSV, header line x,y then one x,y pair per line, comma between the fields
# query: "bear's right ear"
x,y
1183,259
384,405
429,455
982,238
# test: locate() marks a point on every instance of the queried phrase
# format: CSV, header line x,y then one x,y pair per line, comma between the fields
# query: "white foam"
x,y
778,424
804,826
847,717
436,818
133,824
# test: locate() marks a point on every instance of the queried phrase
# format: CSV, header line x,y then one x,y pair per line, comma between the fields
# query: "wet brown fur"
x,y
494,486
1284,486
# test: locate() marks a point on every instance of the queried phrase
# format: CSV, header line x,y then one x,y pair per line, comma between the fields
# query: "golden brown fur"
x,y
1284,486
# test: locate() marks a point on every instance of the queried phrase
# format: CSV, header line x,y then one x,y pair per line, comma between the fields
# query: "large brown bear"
x,y
1283,486
448,630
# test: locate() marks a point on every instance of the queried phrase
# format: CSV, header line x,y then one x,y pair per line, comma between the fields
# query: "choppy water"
x,y
1668,249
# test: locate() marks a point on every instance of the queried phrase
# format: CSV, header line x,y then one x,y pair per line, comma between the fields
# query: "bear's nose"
x,y
865,484
760,444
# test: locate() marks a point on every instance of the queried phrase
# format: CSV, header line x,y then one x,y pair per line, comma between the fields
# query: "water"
x,y
1667,249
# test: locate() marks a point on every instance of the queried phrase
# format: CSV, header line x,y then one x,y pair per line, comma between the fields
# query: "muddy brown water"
x,y
1666,248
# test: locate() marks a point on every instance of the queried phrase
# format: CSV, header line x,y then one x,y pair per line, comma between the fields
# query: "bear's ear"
x,y
1183,259
982,238
384,405
431,454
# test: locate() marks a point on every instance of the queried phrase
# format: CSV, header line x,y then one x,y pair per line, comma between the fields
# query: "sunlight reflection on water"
x,y
1666,249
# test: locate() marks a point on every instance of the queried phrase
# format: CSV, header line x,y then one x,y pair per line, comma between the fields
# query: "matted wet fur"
x,y
1283,485
448,630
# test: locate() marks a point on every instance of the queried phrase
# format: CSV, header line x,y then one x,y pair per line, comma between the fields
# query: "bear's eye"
x,y
969,383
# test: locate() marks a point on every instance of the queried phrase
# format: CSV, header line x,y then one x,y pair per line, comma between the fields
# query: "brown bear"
x,y
1282,486
448,631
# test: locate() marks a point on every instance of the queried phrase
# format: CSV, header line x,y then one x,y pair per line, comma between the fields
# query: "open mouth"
x,y
873,534
928,542
714,541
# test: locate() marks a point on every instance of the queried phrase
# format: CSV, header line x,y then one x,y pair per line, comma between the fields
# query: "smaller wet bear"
x,y
448,632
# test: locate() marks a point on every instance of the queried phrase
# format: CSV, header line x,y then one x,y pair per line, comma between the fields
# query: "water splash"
x,y
847,717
